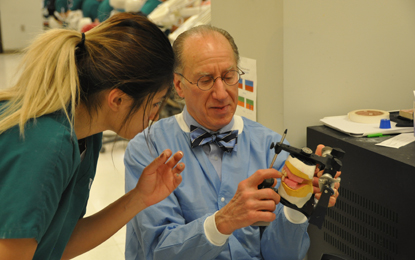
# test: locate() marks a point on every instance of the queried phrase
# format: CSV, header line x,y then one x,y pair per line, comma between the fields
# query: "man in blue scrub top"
x,y
211,214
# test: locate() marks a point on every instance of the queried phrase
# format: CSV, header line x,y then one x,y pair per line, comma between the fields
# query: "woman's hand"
x,y
160,178
157,181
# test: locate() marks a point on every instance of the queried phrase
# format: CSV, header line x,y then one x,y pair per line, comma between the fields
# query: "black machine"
x,y
329,161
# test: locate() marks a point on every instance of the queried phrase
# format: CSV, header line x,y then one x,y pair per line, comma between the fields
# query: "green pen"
x,y
377,135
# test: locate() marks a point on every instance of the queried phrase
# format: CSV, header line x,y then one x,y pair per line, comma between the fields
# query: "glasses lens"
x,y
205,82
231,78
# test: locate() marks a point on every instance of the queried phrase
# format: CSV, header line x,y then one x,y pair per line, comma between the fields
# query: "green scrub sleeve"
x,y
76,5
149,6
61,6
90,9
34,174
104,10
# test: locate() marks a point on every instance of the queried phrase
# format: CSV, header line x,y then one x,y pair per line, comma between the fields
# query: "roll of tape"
x,y
368,116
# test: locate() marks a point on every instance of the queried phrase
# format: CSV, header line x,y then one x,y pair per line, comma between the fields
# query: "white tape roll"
x,y
368,116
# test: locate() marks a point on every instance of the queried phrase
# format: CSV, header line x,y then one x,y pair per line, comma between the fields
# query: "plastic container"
x,y
385,124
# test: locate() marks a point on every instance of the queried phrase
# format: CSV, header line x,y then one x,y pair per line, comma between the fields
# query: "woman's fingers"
x,y
174,159
156,163
169,163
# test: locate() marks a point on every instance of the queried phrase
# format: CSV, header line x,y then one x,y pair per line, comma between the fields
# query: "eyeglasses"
x,y
206,82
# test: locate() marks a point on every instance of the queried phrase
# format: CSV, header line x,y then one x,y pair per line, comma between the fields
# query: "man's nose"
x,y
219,89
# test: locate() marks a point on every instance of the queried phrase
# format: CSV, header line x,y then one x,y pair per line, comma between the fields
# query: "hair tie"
x,y
82,42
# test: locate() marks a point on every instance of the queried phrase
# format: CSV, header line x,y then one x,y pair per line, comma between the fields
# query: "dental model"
x,y
297,181
296,188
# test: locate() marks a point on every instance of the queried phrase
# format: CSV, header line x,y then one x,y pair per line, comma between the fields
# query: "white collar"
x,y
238,123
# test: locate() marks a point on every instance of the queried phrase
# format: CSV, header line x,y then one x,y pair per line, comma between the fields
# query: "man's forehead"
x,y
203,55
209,39
210,72
200,36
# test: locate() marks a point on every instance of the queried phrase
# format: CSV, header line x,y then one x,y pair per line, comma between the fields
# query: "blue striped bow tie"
x,y
226,141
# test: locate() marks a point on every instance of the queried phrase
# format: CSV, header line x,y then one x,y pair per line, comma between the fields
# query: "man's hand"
x,y
160,178
249,205
317,175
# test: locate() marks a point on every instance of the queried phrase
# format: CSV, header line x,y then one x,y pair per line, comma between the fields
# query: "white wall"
x,y
345,55
256,27
21,21
337,56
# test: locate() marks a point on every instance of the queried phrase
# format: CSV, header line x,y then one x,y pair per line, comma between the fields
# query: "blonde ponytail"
x,y
126,51
48,81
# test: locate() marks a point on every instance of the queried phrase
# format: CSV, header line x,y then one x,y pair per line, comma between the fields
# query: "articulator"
x,y
296,189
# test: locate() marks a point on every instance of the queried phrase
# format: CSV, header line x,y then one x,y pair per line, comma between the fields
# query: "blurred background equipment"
x,y
172,15
174,105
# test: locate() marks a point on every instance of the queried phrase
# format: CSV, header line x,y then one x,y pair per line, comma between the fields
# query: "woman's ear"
x,y
178,86
116,98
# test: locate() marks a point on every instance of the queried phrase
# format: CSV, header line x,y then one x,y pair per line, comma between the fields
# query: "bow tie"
x,y
226,141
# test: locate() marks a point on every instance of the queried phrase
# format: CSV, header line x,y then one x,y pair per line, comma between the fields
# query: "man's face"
x,y
208,55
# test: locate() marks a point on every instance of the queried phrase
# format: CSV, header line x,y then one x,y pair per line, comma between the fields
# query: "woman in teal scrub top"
x,y
72,87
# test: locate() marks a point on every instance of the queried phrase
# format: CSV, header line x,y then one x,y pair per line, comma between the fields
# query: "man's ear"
x,y
178,86
115,99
